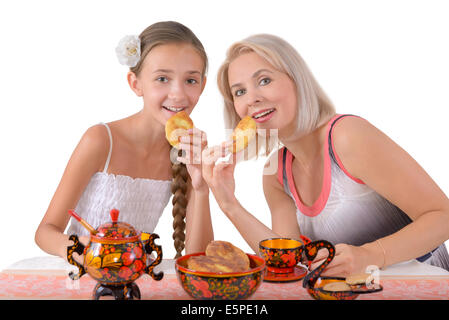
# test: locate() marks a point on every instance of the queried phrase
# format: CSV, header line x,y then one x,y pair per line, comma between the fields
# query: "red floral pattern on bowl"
x,y
223,285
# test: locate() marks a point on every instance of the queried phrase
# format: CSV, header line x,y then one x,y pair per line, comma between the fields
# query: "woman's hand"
x,y
220,176
348,260
193,145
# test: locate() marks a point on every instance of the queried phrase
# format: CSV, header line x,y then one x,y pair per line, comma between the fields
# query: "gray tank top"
x,y
347,210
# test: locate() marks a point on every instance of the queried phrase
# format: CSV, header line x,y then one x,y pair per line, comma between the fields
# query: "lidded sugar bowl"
x,y
116,256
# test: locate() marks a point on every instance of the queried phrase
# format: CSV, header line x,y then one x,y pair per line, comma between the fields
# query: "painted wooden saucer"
x,y
318,291
298,273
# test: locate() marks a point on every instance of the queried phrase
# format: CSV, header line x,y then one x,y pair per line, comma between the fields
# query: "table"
x,y
46,278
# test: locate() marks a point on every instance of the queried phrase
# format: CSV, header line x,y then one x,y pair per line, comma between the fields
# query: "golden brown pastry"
x,y
243,133
220,256
229,252
174,126
211,264
362,278
337,286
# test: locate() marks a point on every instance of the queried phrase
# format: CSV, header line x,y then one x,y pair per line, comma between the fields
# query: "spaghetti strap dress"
x,y
140,201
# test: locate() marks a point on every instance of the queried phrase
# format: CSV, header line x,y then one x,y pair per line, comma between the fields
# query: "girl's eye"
x,y
162,79
239,92
265,81
192,81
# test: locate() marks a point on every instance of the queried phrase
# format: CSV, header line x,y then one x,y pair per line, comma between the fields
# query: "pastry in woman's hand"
x,y
176,126
243,133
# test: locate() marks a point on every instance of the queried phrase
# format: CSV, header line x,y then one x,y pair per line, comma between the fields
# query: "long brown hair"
x,y
159,33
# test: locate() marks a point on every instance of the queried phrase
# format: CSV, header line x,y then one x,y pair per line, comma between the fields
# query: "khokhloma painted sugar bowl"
x,y
116,256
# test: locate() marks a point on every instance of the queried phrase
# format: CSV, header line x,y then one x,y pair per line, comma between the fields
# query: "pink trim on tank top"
x,y
281,166
340,164
319,203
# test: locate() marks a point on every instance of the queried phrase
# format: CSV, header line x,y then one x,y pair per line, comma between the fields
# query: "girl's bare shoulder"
x,y
94,144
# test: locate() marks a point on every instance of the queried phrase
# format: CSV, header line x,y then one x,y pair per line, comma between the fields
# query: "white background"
x,y
386,61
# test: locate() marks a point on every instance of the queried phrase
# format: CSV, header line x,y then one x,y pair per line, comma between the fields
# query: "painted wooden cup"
x,y
281,255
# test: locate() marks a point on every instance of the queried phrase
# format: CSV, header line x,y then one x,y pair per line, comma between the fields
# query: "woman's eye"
x,y
162,79
265,81
192,81
239,92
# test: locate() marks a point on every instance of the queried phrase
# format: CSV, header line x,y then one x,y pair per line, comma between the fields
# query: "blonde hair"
x,y
160,33
314,106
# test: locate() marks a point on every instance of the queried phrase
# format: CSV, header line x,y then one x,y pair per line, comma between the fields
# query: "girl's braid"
x,y
179,190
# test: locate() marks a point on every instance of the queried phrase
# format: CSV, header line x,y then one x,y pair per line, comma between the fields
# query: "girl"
x,y
339,178
125,164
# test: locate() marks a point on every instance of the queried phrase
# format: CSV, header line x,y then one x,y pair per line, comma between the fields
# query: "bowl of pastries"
x,y
222,272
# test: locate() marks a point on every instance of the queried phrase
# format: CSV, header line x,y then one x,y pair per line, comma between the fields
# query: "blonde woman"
x,y
339,178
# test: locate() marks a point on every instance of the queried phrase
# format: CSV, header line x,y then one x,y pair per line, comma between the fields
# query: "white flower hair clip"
x,y
128,51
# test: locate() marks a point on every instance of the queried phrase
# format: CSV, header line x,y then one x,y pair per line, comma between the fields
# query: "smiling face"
x,y
262,92
170,81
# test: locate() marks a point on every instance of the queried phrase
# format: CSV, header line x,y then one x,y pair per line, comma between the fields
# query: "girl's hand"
x,y
193,145
84,240
220,176
348,260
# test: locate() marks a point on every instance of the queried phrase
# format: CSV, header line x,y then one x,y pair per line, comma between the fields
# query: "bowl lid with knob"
x,y
116,230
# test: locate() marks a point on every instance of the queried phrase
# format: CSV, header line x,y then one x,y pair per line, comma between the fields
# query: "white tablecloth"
x,y
409,268
57,263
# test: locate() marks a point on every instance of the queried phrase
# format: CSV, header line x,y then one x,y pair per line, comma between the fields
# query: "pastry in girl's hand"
x,y
229,252
176,126
243,133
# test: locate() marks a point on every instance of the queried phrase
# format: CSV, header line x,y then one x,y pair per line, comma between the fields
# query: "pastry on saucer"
x,y
337,286
357,279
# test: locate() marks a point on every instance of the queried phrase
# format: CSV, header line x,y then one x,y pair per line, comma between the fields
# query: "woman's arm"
x,y
220,178
86,159
371,156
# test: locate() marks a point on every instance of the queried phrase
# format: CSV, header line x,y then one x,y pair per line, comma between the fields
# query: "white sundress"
x,y
140,201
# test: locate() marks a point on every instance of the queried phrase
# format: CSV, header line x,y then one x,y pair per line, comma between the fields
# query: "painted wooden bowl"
x,y
223,285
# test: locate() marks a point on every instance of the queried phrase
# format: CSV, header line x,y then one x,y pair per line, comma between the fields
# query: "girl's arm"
x,y
220,178
371,156
87,158
199,231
